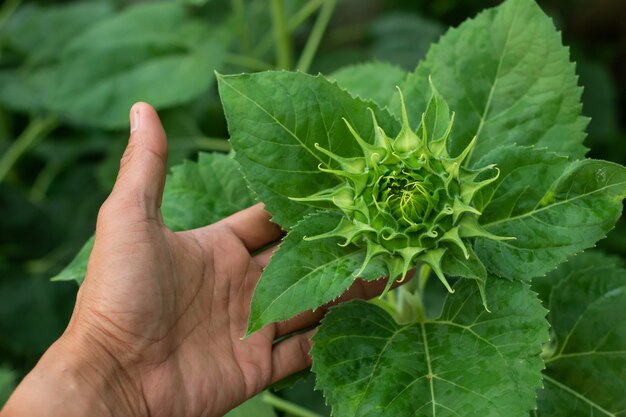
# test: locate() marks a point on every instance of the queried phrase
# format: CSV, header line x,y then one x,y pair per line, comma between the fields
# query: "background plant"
x,y
54,151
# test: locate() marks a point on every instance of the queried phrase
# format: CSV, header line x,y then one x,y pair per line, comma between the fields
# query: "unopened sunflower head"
x,y
406,199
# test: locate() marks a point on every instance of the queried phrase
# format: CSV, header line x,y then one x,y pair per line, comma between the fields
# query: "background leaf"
x,y
508,77
403,38
7,384
550,219
120,61
586,371
204,192
40,32
273,134
468,363
375,81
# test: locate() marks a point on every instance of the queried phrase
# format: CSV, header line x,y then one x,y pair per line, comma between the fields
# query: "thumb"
x,y
141,177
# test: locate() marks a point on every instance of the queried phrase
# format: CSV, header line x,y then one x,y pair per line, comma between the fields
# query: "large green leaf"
x,y
508,77
554,209
196,194
586,370
374,81
304,275
152,52
276,118
467,363
41,32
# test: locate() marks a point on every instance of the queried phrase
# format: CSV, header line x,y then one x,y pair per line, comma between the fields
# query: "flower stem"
x,y
212,144
294,22
281,35
239,10
37,129
286,406
317,33
7,10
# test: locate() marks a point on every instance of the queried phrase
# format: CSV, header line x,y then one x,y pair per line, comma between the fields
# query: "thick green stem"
x,y
212,144
44,179
411,306
281,35
286,406
239,10
294,22
35,131
424,273
317,33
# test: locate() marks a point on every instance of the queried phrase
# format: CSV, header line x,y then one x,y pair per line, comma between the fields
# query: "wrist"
x,y
76,377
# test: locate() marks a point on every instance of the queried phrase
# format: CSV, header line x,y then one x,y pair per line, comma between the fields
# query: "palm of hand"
x,y
171,308
177,306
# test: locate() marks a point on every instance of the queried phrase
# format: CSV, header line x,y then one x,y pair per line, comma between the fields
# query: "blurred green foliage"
x,y
69,72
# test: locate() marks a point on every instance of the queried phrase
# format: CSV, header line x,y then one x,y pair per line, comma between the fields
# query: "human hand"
x,y
158,321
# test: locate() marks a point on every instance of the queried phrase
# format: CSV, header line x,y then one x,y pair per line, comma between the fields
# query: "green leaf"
x,y
586,369
568,210
455,264
403,38
26,91
508,77
375,81
120,61
276,118
304,274
517,190
196,194
41,32
468,363
253,407
7,384
77,268
204,192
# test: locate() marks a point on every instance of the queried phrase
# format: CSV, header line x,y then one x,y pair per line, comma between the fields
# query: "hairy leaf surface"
x,y
508,77
586,372
276,118
305,274
554,209
467,363
196,194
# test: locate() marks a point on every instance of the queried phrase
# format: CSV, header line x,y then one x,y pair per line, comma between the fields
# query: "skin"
x,y
158,321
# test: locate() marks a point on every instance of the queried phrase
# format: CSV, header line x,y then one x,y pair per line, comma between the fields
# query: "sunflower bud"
x,y
406,199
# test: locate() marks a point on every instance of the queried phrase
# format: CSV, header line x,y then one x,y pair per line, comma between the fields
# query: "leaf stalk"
x,y
286,406
317,33
282,35
37,129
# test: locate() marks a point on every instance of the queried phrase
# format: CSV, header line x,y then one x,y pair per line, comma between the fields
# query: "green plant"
x,y
500,197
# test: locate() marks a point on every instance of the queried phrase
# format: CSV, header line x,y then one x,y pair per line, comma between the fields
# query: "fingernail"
x,y
134,119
